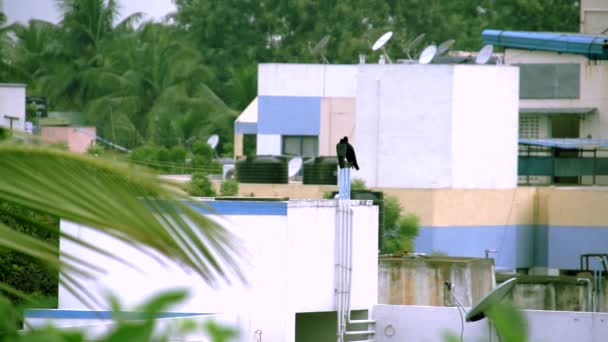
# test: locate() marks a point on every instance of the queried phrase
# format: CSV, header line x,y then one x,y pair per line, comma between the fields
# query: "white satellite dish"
x,y
484,54
213,141
381,42
427,54
445,46
294,166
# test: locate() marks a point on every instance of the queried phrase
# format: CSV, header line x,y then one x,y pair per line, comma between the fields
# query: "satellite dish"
x,y
445,46
484,54
319,47
427,54
295,164
478,312
213,141
413,44
381,42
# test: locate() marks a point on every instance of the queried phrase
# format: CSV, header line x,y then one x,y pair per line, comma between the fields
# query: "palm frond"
x,y
134,207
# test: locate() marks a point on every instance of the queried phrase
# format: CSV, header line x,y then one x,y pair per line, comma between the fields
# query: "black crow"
x,y
351,158
341,153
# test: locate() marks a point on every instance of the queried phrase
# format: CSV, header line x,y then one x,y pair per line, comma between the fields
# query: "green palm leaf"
x,y
121,201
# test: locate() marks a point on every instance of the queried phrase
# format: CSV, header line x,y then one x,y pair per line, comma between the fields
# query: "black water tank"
x,y
262,169
321,170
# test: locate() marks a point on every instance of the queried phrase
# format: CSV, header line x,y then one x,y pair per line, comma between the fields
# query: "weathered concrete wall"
x,y
557,293
420,280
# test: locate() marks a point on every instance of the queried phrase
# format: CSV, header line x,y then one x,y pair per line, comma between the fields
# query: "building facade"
x,y
12,106
287,257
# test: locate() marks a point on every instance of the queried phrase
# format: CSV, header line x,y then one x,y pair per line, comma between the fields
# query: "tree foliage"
x,y
164,84
19,270
399,230
136,85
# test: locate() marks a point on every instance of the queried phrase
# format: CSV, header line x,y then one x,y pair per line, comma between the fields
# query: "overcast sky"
x,y
24,10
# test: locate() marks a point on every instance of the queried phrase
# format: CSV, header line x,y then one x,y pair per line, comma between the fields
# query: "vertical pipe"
x,y
349,260
345,262
338,259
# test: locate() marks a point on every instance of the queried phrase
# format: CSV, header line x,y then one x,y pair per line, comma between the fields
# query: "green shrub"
x,y
328,195
209,166
95,149
202,149
4,133
229,188
201,185
357,184
399,231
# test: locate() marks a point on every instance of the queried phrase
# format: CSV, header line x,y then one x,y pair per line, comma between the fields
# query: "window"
x,y
249,144
549,81
304,146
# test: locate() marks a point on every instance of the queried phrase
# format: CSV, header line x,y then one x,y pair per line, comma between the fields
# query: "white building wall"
x,y
485,126
427,126
429,323
12,103
323,80
312,253
403,124
288,263
268,144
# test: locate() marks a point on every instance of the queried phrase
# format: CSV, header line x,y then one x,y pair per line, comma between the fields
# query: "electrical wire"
x,y
461,324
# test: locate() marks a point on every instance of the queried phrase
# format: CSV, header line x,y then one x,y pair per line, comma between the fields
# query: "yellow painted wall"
x,y
556,206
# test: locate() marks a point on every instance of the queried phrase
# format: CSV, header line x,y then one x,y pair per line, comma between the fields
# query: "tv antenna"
x,y
484,54
320,47
413,44
445,46
427,54
294,166
381,42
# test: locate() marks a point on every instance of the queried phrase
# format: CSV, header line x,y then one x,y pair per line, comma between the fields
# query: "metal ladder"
x,y
347,328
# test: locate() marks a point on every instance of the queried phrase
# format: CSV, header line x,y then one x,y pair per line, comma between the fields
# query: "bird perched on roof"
x,y
351,158
341,148
346,154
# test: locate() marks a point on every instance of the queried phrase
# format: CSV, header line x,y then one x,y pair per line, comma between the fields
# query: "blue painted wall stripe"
x,y
289,115
85,314
520,246
245,127
241,208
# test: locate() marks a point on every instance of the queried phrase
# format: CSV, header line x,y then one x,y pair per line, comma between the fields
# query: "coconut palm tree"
x,y
158,83
126,203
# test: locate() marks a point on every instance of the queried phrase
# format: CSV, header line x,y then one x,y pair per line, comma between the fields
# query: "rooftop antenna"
x,y
413,44
294,166
320,47
484,54
427,54
445,46
213,141
379,44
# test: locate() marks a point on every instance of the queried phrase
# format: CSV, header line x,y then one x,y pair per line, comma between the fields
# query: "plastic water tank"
x,y
321,170
262,169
